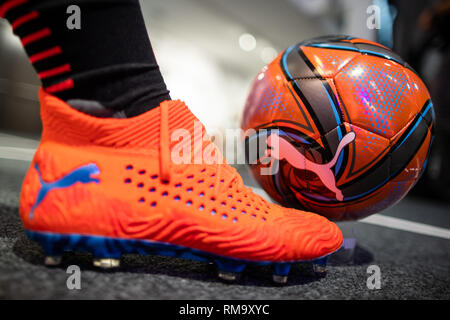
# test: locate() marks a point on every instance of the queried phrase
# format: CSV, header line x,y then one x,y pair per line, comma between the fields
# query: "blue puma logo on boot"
x,y
81,174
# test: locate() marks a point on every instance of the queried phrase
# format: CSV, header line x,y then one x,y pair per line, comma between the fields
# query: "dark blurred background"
x,y
421,35
211,49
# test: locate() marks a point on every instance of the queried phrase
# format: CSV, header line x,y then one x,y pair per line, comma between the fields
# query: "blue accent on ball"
x,y
397,171
332,46
374,53
338,121
283,60
426,159
418,122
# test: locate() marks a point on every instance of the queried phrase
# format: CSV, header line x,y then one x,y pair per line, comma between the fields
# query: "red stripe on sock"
x,y
65,85
55,71
45,54
36,36
8,5
24,19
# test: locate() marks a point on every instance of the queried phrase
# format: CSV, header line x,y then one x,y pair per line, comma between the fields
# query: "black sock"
x,y
105,68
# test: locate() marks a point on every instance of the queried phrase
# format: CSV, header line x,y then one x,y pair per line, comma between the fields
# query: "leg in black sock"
x,y
107,67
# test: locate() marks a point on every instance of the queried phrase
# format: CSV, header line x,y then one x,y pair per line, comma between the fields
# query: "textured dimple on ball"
x,y
382,90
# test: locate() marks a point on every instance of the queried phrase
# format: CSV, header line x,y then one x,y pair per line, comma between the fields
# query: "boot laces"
x,y
222,178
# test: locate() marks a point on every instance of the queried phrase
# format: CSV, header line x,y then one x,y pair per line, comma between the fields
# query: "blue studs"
x,y
106,263
229,269
107,253
53,245
320,266
280,273
52,261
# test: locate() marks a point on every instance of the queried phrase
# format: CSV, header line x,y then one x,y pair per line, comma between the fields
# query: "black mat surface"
x,y
413,266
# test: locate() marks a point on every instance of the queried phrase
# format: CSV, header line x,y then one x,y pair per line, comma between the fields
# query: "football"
x,y
345,126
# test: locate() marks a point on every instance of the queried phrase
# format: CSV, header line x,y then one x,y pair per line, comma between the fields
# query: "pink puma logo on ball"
x,y
280,148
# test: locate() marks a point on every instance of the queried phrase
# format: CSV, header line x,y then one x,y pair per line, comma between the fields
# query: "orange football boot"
x,y
112,187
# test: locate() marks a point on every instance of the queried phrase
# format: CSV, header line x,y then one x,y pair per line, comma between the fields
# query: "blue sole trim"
x,y
103,247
